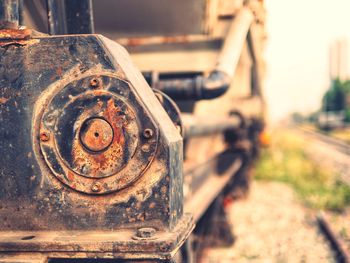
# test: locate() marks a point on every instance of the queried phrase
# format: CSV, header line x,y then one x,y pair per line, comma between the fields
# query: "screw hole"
x,y
148,133
95,83
28,237
96,134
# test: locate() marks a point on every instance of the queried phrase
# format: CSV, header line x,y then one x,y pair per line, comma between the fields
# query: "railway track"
x,y
336,143
337,245
330,152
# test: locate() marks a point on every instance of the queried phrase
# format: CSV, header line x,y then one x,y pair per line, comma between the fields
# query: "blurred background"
x,y
259,91
303,38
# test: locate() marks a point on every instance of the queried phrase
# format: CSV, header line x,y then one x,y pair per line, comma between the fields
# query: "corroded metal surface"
x,y
15,34
116,244
15,37
91,162
97,143
96,134
42,89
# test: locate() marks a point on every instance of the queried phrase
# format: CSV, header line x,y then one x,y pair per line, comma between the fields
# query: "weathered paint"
x,y
49,89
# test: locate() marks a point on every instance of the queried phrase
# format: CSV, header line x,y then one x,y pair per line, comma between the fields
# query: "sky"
x,y
297,52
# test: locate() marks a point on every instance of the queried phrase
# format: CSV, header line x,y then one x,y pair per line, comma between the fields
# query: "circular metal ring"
x,y
96,141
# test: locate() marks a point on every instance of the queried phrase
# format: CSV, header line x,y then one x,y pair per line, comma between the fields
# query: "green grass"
x,y
286,161
341,134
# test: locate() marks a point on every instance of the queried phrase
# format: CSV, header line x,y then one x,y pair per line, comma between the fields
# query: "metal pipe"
x,y
256,59
201,126
70,17
9,15
219,80
56,14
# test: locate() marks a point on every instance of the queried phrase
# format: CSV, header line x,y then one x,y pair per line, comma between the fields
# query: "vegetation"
x,y
341,134
286,161
335,99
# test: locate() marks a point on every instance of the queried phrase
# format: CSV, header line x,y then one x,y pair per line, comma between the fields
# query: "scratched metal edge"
x,y
168,244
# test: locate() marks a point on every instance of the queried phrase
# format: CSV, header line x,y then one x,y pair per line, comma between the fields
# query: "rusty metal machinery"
x,y
94,163
86,149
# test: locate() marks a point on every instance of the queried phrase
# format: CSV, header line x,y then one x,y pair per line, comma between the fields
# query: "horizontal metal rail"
x,y
201,126
208,180
341,255
339,144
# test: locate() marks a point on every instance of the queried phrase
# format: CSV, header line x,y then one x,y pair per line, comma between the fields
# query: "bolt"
x,y
148,133
145,232
145,148
85,169
96,134
95,83
96,187
44,136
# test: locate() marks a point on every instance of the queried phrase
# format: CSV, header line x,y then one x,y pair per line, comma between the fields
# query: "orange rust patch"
x,y
3,100
59,71
111,115
106,144
44,136
96,134
15,34
70,176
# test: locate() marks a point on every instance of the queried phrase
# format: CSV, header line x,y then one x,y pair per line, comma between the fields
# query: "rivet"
x,y
145,232
44,136
148,133
96,187
95,83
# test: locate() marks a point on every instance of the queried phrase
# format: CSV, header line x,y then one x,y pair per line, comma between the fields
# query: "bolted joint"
x,y
148,133
145,232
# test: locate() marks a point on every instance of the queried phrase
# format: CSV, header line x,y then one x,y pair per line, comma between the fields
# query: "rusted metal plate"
x,y
96,143
15,34
116,244
51,73
14,37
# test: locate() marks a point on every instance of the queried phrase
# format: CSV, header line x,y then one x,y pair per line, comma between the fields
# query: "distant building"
x,y
338,60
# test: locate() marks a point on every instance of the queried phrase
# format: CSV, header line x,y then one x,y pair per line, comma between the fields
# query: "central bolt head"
x,y
96,134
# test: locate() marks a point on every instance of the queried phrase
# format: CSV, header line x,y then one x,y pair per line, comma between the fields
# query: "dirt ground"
x,y
271,225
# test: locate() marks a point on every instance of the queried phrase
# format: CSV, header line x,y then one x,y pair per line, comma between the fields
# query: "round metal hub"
x,y
95,139
96,134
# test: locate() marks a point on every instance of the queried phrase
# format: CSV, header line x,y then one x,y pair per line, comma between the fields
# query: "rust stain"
x,y
44,136
15,34
103,153
3,100
70,176
19,37
134,42
156,40
112,115
96,135
5,43
59,71
178,39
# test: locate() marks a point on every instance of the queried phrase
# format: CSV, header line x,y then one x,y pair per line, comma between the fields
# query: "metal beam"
x,y
9,15
70,17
